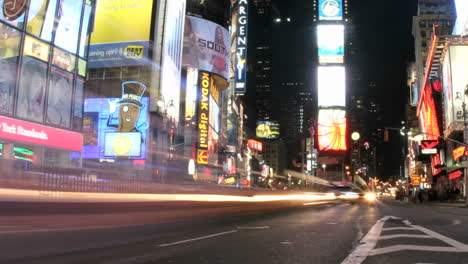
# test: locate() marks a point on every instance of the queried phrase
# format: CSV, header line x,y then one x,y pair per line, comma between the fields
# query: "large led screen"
x,y
206,46
191,93
172,55
330,9
330,42
121,33
461,25
116,127
69,18
267,129
332,130
331,86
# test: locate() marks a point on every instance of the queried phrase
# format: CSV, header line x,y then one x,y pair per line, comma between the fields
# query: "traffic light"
x,y
385,136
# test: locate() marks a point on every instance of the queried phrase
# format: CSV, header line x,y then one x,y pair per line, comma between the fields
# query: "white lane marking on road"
x,y
253,227
397,228
403,235
390,249
197,238
314,203
456,222
331,223
286,243
407,222
367,243
452,242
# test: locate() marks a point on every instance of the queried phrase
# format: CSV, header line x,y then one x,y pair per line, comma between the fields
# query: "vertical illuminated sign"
x,y
205,81
330,42
331,86
241,49
332,130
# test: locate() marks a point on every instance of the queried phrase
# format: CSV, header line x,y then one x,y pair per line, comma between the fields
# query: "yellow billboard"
x,y
122,21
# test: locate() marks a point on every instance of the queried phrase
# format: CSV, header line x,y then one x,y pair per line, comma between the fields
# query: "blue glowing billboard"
x,y
330,9
116,127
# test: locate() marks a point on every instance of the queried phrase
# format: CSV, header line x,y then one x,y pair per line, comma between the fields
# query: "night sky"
x,y
384,46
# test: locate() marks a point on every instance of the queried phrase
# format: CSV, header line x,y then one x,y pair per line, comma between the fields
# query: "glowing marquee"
x,y
332,130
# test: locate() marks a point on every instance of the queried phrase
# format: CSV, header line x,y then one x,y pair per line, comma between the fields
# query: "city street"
x,y
280,232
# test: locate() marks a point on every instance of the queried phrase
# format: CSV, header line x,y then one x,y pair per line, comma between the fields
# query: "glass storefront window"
x,y
82,67
41,18
9,50
85,31
78,104
13,12
31,92
68,27
36,48
59,98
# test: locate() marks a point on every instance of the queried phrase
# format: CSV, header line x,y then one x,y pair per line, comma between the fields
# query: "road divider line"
x,y
391,249
367,244
398,228
404,235
252,227
197,238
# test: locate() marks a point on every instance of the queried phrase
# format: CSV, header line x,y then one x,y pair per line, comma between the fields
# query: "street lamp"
x,y
461,98
324,167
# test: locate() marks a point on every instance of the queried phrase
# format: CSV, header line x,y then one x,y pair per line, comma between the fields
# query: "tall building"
x,y
430,12
275,154
261,58
297,111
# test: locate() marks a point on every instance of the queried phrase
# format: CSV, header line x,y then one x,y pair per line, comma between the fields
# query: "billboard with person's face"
x,y
206,46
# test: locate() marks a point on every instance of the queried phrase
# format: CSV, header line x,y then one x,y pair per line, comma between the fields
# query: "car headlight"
x,y
370,196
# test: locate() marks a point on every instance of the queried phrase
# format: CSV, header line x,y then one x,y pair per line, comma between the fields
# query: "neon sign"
x,y
241,47
205,81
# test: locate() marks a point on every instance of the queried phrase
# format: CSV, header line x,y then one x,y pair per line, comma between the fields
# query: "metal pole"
x,y
464,141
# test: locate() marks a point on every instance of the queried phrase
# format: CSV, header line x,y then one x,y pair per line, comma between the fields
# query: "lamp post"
x,y
465,137
324,167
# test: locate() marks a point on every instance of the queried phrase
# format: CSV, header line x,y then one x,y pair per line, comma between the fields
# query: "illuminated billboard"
x,y
267,129
330,9
116,127
172,56
205,81
331,86
206,46
330,42
461,25
121,33
191,92
454,83
332,130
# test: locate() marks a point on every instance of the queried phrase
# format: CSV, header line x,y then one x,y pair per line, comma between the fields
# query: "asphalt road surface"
x,y
391,232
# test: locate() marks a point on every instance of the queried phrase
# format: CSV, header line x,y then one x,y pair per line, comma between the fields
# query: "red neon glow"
x,y
254,144
454,175
435,160
37,134
332,130
140,162
429,120
459,152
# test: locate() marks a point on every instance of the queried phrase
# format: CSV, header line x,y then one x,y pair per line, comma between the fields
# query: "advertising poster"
x,y
31,95
41,18
233,31
461,25
60,98
214,115
9,51
206,46
172,56
330,41
332,130
330,9
13,11
205,81
69,18
459,78
122,124
447,90
267,129
191,94
331,86
121,33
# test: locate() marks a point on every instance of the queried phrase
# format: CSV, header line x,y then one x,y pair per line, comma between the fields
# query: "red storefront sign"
x,y
254,144
454,175
18,130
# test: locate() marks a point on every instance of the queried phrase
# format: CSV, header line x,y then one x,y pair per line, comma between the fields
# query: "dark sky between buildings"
x,y
384,45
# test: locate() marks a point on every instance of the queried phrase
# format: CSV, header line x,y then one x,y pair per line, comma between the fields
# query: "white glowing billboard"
x,y
331,86
330,9
461,25
330,42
